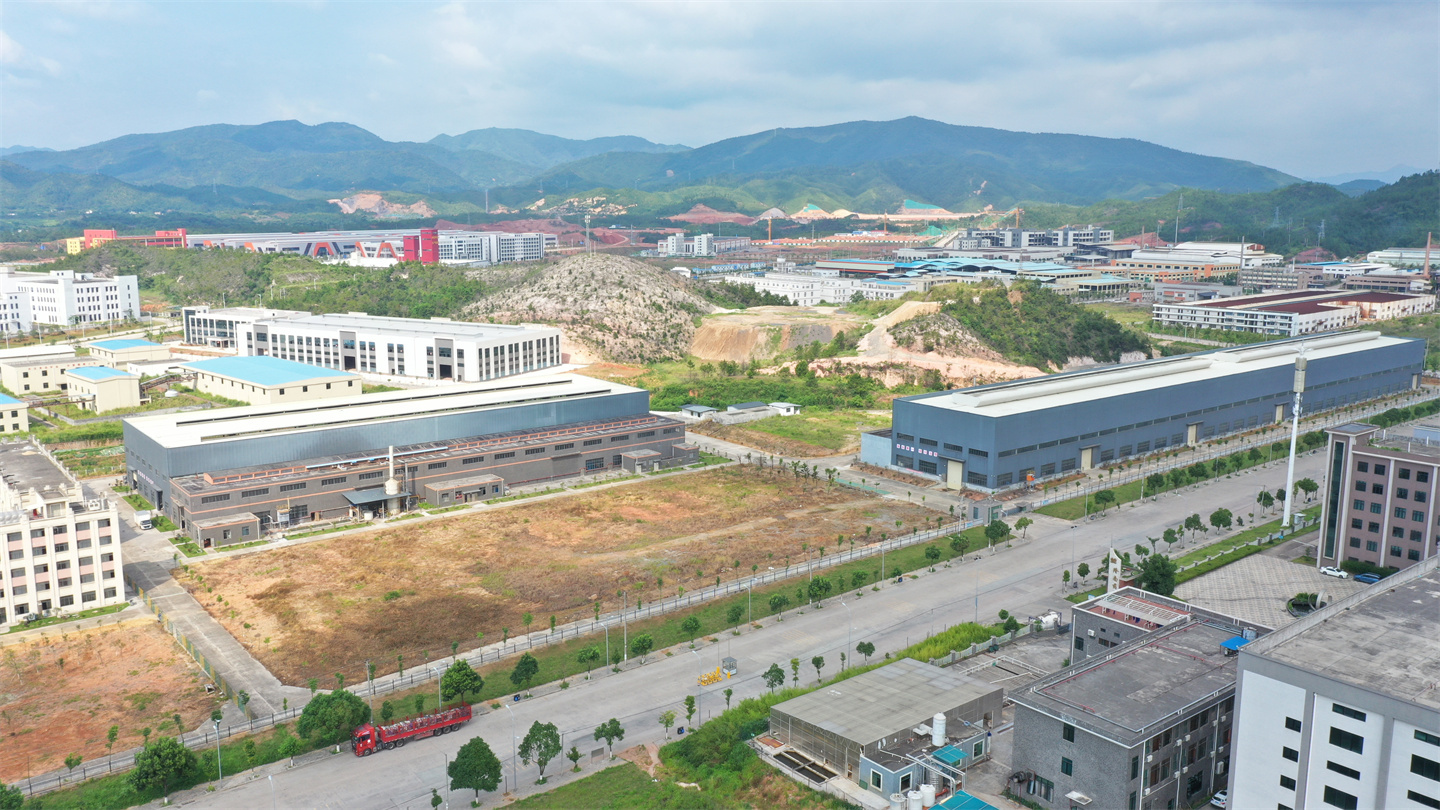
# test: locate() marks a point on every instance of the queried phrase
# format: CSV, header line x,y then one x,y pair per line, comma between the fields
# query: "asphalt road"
x,y
1024,579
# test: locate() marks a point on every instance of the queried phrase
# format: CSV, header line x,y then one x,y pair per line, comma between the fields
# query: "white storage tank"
x,y
927,795
897,801
937,731
913,800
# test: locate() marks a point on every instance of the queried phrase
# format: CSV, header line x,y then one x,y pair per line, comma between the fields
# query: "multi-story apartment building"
x,y
1340,709
1280,278
1379,495
971,238
65,298
62,549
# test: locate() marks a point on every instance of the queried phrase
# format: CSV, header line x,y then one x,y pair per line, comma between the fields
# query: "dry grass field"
x,y
413,590
60,694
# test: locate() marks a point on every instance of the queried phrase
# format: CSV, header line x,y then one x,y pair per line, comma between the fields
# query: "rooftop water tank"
x,y
912,800
927,795
897,801
937,730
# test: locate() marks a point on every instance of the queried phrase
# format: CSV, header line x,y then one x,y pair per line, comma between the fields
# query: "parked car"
x,y
1332,571
1219,799
1368,579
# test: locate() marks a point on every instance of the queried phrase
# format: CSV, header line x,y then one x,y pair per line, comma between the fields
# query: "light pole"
x,y
219,767
749,592
272,791
699,688
513,773
447,780
607,644
624,627
849,624
439,697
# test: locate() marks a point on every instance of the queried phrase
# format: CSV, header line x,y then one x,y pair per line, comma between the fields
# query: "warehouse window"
x,y
473,460
905,437
595,464
1004,479
534,451
928,442
255,493
620,438
292,487
499,456
592,442
566,446
215,498
369,475
979,453
928,467
978,479
954,447
904,461
1047,469
330,482
1067,464
437,465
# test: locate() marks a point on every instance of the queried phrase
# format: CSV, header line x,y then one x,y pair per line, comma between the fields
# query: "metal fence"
x,y
429,671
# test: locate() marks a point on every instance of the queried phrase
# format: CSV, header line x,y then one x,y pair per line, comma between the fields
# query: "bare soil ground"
x,y
331,605
762,333
130,674
765,442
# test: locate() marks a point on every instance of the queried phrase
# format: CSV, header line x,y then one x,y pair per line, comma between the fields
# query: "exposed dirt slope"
x,y
762,333
611,307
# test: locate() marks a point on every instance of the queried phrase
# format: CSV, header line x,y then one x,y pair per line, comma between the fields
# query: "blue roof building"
x,y
265,380
98,373
127,350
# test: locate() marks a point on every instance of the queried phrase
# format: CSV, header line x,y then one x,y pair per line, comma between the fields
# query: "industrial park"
x,y
1056,450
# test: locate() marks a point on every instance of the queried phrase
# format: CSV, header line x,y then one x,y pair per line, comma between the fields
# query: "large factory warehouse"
x,y
227,476
996,436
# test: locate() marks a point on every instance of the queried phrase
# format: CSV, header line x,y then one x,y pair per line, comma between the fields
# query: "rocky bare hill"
x,y
938,332
610,307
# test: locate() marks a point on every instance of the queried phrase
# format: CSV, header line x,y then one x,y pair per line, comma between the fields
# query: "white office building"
x,y
63,549
1403,257
1340,709
438,348
63,298
1068,236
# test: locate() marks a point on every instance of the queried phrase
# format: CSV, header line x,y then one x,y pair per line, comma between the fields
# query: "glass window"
x,y
1067,767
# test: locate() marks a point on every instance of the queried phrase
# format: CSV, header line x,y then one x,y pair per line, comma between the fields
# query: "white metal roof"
x,y
196,428
1039,393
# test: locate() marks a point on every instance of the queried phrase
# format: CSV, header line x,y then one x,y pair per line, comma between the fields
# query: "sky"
x,y
1314,89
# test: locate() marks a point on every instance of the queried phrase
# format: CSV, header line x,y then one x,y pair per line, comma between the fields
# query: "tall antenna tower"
x,y
1179,206
1276,222
1321,235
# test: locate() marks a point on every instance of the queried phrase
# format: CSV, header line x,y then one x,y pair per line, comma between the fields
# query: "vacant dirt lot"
x,y
329,606
59,695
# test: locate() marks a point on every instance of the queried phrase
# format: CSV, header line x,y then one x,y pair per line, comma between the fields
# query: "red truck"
x,y
370,738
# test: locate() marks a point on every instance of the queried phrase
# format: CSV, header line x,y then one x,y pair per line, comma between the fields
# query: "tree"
x,y
819,663
1194,524
330,718
996,530
1011,625
728,693
733,614
610,731
110,737
1157,574
525,669
1083,569
1265,499
795,671
1065,577
542,744
1280,495
959,544
160,763
526,620
1022,524
641,645
588,657
691,625
866,649
420,702
818,589
1307,486
387,712
1222,519
667,719
773,677
1103,499
291,747
1155,482
73,761
1171,537
475,767
689,708
778,603
11,798
932,553
460,680
574,756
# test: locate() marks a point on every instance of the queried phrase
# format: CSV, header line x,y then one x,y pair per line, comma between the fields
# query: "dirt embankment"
x,y
377,205
763,333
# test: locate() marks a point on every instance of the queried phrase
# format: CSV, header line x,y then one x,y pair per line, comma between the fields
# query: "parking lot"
x,y
1257,587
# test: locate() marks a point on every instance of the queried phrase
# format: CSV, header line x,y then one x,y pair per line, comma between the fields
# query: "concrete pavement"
x,y
1024,580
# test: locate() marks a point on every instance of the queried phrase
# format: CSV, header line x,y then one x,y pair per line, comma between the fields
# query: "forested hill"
x,y
1036,327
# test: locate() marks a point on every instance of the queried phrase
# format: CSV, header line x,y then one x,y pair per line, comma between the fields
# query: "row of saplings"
x,y
329,719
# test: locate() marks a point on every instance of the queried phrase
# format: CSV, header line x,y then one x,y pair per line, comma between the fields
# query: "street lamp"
x,y
513,773
439,696
219,768
272,791
749,592
849,624
607,644
699,688
447,780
